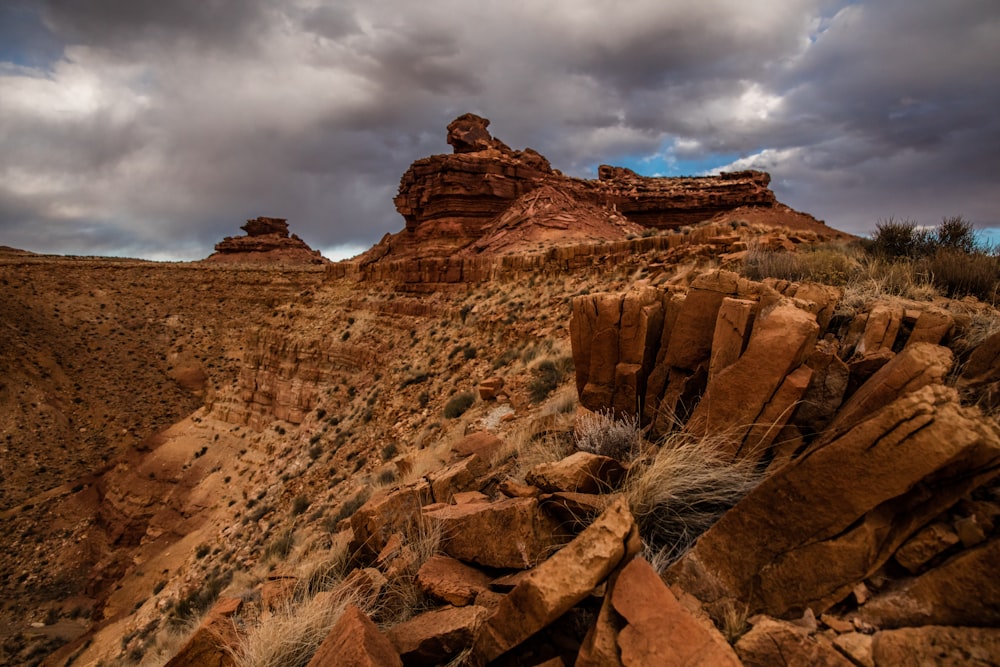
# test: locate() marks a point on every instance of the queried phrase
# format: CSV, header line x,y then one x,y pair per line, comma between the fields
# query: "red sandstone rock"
x,y
451,580
925,545
774,642
435,636
482,443
460,476
553,587
469,532
830,518
740,395
962,591
212,642
937,645
916,366
486,197
581,472
266,240
385,514
489,388
354,641
658,629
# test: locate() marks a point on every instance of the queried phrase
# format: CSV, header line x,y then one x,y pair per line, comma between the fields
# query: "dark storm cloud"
x,y
157,128
135,23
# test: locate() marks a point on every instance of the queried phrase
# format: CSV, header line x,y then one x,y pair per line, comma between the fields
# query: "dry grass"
x,y
681,490
290,635
734,621
541,441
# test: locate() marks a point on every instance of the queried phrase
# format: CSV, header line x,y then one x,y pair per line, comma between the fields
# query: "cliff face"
x,y
458,202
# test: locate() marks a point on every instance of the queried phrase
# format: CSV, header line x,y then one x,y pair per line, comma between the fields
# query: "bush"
x,y
600,433
956,233
201,551
900,239
958,274
548,375
300,505
458,404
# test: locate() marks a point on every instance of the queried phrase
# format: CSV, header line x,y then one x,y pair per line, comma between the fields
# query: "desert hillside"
x,y
550,422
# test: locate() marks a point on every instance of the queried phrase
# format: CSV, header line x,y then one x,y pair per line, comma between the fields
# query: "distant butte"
x,y
266,241
486,198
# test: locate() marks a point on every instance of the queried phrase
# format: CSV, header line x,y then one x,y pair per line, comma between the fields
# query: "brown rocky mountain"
x,y
481,198
549,446
266,240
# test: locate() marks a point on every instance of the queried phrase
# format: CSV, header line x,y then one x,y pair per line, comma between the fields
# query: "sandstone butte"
x,y
383,461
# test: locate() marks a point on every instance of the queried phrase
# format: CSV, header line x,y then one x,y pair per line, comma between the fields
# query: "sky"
x,y
153,129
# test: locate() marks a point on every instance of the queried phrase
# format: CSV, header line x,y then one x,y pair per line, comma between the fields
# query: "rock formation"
x,y
266,240
488,198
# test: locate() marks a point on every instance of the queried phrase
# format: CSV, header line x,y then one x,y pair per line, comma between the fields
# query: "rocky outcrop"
x,y
848,504
281,376
266,240
488,198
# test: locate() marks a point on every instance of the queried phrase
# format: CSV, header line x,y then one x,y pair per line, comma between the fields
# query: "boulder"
x,y
385,514
490,388
483,444
354,641
929,542
451,580
774,642
936,645
658,629
828,519
213,642
963,590
459,476
916,366
433,637
881,329
469,532
581,472
556,585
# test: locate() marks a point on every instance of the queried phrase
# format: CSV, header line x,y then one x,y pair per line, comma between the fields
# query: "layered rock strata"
x,y
266,240
488,198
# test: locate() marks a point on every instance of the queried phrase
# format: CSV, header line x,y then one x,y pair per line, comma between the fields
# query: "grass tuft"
x,y
682,490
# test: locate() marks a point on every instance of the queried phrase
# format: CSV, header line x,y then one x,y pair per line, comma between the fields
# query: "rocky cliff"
x,y
487,198
266,240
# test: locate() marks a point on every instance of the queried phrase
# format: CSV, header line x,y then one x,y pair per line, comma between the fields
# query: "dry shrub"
x,y
541,441
958,274
290,635
602,433
681,490
832,264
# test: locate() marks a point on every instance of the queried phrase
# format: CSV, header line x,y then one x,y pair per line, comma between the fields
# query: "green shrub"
x,y
300,504
281,545
900,239
458,404
548,375
957,233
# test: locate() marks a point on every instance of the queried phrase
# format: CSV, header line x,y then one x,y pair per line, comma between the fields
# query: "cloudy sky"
x,y
152,129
